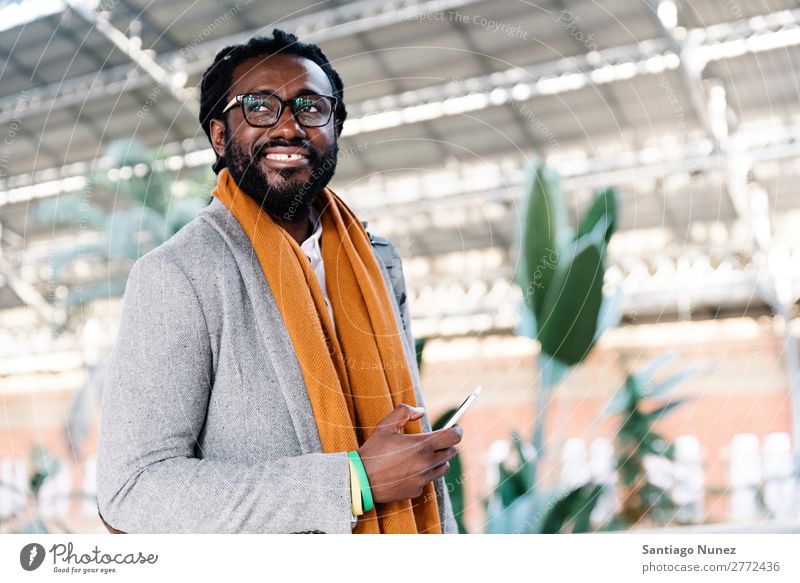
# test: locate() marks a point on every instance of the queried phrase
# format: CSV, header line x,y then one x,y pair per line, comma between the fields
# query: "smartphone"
x,y
463,408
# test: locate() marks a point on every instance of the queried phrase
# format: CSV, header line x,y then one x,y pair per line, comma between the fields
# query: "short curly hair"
x,y
218,78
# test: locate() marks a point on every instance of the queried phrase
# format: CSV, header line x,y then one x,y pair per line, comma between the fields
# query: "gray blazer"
x,y
206,425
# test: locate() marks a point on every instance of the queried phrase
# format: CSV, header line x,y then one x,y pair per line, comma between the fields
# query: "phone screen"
x,y
462,408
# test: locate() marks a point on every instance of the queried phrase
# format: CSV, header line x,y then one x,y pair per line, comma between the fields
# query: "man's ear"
x,y
338,127
217,129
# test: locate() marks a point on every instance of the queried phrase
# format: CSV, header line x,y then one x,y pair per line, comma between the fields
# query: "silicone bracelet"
x,y
363,480
355,490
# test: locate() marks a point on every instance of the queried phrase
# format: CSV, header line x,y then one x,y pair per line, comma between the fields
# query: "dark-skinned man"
x,y
264,378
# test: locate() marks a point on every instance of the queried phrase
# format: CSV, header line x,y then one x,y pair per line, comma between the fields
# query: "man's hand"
x,y
399,466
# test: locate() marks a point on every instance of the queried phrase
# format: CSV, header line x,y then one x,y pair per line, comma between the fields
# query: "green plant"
x,y
561,272
149,206
641,403
28,519
419,347
517,506
454,479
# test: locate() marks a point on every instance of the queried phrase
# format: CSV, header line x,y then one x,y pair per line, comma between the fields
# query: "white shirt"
x,y
313,251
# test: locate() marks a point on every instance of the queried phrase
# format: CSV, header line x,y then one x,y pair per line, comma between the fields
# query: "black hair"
x,y
218,78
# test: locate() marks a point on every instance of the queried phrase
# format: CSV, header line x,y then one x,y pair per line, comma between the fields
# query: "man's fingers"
x,y
401,415
437,472
443,438
444,455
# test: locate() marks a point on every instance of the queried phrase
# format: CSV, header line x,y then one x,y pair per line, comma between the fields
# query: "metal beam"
x,y
627,166
691,68
144,17
624,58
718,43
27,293
321,26
575,33
174,82
100,62
34,76
338,22
385,67
487,69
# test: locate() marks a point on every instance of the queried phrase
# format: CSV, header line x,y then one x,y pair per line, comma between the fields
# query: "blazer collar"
x,y
269,324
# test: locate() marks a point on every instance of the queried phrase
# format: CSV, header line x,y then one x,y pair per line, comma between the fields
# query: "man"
x,y
264,378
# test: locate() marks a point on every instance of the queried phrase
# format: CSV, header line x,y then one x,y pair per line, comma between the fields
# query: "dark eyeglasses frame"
x,y
283,103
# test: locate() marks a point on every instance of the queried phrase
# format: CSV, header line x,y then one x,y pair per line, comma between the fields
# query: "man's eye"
x,y
307,106
257,105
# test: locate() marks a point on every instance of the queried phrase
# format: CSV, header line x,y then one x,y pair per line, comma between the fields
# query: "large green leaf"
x,y
610,311
512,485
134,232
656,414
569,315
181,212
44,467
576,505
616,404
69,210
514,518
544,222
584,514
63,257
79,297
634,428
129,153
646,372
525,470
605,205
527,322
640,385
626,398
675,380
419,347
551,371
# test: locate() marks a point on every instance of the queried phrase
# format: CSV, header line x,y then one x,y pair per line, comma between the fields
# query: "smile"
x,y
285,157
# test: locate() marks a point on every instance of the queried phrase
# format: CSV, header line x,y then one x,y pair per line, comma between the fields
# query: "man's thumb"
x,y
401,415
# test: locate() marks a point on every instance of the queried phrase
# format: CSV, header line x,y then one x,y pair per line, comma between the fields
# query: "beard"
x,y
285,193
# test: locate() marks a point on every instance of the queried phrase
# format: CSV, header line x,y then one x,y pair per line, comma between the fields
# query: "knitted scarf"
x,y
358,374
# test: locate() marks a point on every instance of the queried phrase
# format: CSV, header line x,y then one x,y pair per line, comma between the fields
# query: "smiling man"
x,y
264,378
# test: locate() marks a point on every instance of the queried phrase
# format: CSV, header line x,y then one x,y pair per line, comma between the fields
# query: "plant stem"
x,y
543,394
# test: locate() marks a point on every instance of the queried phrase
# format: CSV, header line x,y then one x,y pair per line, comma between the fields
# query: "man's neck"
x,y
299,230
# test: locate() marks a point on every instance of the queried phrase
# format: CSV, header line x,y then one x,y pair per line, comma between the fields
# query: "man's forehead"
x,y
280,73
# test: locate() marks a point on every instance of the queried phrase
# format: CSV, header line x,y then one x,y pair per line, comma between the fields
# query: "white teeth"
x,y
284,157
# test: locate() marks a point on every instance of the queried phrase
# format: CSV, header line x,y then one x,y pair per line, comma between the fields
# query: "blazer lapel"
x,y
268,325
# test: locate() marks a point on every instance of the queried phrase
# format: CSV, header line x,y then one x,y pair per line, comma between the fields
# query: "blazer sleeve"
x,y
447,518
151,475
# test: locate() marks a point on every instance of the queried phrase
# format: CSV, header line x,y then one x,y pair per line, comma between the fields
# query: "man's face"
x,y
283,188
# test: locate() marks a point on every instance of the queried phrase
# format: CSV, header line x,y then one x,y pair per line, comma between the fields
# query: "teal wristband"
x,y
363,481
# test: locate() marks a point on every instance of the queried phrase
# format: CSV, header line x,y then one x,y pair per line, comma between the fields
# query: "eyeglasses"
x,y
263,110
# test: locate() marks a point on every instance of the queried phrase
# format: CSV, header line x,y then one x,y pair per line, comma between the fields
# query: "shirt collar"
x,y
311,245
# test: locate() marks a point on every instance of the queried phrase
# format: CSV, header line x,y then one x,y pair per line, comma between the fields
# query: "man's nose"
x,y
287,126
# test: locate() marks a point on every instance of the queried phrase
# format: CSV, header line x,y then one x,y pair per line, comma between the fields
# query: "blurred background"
x,y
596,205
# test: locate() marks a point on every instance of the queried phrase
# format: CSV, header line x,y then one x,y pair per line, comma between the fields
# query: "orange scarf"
x,y
358,374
